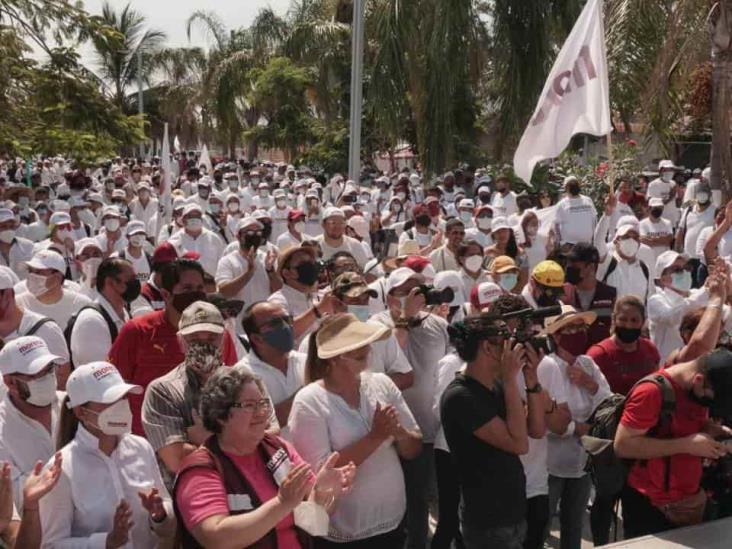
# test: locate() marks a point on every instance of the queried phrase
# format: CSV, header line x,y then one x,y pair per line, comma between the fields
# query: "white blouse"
x,y
321,422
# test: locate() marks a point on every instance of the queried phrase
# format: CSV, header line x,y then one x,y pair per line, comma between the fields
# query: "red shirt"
x,y
642,410
623,369
147,348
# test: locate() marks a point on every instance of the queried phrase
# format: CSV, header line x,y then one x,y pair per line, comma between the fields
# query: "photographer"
x,y
485,426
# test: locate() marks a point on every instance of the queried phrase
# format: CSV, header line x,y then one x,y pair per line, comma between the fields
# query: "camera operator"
x,y
663,489
423,338
485,425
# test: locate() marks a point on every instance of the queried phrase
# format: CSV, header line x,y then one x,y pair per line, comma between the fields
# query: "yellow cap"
x,y
549,273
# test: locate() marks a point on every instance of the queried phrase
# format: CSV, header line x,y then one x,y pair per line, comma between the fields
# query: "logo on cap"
x,y
103,372
28,347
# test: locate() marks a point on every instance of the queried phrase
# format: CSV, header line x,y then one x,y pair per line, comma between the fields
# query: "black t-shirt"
x,y
492,481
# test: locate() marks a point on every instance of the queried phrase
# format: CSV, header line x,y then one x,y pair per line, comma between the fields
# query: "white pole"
x,y
140,94
354,155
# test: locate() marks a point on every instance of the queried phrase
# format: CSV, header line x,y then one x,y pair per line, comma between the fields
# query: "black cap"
x,y
718,370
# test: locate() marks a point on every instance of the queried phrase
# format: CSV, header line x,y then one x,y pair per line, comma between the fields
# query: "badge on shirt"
x,y
279,466
239,502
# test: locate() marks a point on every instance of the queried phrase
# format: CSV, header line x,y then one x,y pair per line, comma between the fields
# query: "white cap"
x,y
499,223
135,227
60,218
666,259
60,206
655,202
359,224
26,355
97,382
179,202
119,193
488,292
263,185
466,203
6,214
666,165
414,178
333,212
8,278
450,279
48,259
110,211
400,276
144,185
625,229
261,214
279,193
629,220
95,197
84,243
192,207
249,223
706,173
77,202
204,182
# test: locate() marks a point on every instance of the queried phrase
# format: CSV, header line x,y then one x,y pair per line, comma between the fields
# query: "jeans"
x,y
640,517
389,540
537,519
572,495
419,478
448,494
601,518
503,537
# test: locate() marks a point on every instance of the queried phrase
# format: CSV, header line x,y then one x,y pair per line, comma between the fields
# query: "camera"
x,y
527,318
433,296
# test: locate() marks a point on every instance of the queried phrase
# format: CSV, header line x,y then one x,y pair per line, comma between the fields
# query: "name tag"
x,y
239,502
279,466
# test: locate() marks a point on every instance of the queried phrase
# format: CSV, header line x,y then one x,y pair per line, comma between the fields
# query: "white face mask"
x,y
628,247
682,281
233,207
63,234
90,268
194,223
299,226
42,390
214,208
508,281
361,312
473,263
702,198
667,176
36,284
137,240
264,193
532,230
111,224
484,223
7,236
280,204
233,185
465,216
402,196
115,420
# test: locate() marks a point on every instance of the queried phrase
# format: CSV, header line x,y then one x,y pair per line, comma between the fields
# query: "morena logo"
x,y
28,347
104,371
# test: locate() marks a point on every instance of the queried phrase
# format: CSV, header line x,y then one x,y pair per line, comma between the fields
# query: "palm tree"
x,y
720,27
118,53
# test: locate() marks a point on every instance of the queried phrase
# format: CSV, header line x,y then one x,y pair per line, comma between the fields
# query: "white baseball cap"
x,y
655,202
485,293
666,165
8,279
400,276
6,214
666,259
84,243
48,259
625,229
110,211
135,227
261,214
499,223
97,382
629,220
25,355
60,218
77,202
333,212
192,207
249,223
466,203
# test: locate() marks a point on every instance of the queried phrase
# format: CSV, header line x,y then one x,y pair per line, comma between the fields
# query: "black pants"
x,y
601,518
448,495
390,540
537,517
640,517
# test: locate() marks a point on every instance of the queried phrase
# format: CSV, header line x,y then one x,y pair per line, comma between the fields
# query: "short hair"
x,y
109,268
465,246
452,223
508,303
584,252
248,323
691,320
171,273
630,301
221,393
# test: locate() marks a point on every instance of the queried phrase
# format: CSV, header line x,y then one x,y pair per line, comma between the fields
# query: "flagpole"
x,y
610,159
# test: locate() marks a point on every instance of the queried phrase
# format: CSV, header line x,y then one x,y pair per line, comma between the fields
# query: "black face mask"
x,y
656,212
484,198
547,300
308,273
251,241
266,231
572,275
423,220
627,335
705,401
182,301
132,291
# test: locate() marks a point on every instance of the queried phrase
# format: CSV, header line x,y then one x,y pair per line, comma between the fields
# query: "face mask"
x,y
702,198
681,281
36,284
7,236
63,234
282,338
628,247
484,198
656,212
299,226
572,275
90,268
194,223
111,225
473,263
214,208
42,391
264,193
251,241
361,312
401,196
115,420
137,240
280,204
627,335
203,357
203,193
667,176
132,291
465,216
484,223
233,207
181,301
574,344
307,273
365,198
396,208
508,281
23,202
546,300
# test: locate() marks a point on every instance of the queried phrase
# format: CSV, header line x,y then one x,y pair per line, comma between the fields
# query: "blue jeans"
x,y
572,495
502,537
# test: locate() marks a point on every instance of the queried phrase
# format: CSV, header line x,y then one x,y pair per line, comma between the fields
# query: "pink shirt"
x,y
201,493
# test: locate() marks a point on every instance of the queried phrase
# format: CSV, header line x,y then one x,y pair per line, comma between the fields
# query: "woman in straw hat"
x,y
584,388
362,416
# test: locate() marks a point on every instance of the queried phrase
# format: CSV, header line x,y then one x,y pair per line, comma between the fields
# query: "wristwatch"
x,y
535,389
401,323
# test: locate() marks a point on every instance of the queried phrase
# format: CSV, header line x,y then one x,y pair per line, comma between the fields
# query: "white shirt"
x,y
724,248
322,422
348,244
566,458
208,244
234,265
143,213
103,242
21,250
443,259
61,311
469,282
503,206
49,332
536,253
280,386
287,240
666,309
79,511
24,441
90,338
693,221
293,301
660,227
484,239
279,222
627,278
576,219
423,239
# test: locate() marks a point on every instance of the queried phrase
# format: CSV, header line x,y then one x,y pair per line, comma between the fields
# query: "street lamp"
x,y
354,152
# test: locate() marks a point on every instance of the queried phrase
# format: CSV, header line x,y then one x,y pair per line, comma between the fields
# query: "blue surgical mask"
x,y
281,338
508,281
361,312
682,281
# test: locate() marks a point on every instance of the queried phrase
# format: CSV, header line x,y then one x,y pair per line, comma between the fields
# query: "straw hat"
x,y
569,316
344,333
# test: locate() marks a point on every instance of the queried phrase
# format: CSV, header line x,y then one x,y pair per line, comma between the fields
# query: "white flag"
x,y
576,96
165,205
206,160
176,144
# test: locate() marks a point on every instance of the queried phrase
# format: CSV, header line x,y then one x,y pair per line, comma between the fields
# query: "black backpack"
x,y
37,325
72,322
608,471
614,264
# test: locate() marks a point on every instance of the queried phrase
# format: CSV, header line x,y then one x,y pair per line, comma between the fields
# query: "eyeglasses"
x,y
253,406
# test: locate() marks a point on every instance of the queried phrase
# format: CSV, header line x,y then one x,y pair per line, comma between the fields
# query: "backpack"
x,y
72,322
37,326
608,471
614,264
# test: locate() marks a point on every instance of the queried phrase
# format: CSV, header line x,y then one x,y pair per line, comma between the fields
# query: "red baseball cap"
x,y
295,214
164,253
416,262
420,209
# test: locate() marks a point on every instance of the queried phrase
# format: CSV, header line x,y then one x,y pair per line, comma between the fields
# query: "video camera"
x,y
433,296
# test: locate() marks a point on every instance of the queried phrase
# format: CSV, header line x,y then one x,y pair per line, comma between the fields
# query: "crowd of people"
x,y
263,356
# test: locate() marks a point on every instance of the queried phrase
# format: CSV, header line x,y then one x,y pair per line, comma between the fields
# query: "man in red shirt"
x,y
147,347
670,472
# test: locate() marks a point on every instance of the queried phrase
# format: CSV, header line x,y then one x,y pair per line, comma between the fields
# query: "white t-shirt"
x,y
348,244
286,241
576,219
693,221
279,386
208,244
61,311
234,265
503,206
50,332
661,227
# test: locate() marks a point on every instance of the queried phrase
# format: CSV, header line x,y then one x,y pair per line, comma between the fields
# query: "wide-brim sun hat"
x,y
569,315
344,333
